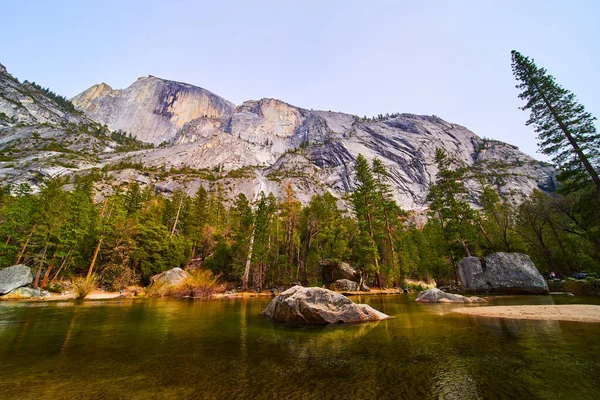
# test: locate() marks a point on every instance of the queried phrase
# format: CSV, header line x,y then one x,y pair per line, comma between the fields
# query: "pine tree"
x,y
242,221
323,233
262,235
133,199
387,207
290,211
365,207
565,130
448,203
217,211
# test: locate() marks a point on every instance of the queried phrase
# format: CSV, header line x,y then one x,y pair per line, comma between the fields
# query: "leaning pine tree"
x,y
565,130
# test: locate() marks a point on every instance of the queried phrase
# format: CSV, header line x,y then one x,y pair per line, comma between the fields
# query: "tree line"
x,y
269,242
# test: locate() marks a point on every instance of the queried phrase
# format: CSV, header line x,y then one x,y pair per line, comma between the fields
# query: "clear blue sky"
x,y
448,58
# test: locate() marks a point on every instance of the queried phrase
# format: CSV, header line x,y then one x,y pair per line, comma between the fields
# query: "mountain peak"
x,y
152,109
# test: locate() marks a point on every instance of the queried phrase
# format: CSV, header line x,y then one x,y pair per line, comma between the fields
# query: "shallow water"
x,y
163,348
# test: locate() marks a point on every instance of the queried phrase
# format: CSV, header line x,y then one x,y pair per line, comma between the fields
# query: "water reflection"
x,y
160,348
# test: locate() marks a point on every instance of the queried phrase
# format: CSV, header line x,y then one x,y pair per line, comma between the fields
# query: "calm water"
x,y
161,348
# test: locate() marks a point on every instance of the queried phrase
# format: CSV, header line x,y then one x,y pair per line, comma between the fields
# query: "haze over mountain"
x,y
256,146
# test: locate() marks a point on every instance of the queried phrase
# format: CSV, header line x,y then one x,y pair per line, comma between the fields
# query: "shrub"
x,y
83,287
117,277
55,288
200,284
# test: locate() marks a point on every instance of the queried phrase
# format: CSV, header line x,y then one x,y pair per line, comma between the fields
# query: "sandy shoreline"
x,y
569,312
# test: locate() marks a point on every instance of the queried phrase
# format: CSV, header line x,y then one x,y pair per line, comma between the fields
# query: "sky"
x,y
444,58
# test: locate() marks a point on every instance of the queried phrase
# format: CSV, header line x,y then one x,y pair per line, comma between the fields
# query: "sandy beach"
x,y
571,312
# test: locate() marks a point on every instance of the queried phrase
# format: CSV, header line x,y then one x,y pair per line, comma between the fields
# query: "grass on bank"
x,y
200,284
82,287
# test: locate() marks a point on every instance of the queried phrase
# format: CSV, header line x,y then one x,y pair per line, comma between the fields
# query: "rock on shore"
x,y
438,296
14,277
344,285
503,273
332,272
27,293
314,305
171,277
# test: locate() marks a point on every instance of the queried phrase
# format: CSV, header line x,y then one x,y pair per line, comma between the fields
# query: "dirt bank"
x,y
571,312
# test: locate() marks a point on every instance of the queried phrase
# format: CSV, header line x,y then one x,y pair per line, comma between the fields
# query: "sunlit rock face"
x,y
311,148
151,109
326,144
263,121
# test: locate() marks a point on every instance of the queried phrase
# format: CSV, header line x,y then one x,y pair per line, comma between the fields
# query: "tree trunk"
x,y
455,267
485,233
378,275
36,281
64,261
248,262
47,274
177,217
25,245
388,231
464,244
89,274
260,276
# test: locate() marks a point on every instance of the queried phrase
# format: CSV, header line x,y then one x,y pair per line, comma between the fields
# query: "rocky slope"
x,y
39,137
257,146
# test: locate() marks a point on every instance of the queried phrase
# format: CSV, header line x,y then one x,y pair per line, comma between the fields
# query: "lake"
x,y
166,348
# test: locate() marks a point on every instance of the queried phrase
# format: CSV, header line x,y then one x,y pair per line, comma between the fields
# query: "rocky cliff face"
x,y
255,147
25,104
318,149
39,137
151,109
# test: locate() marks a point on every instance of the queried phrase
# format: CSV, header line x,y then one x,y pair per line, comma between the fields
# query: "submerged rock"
x,y
507,273
318,306
437,296
344,285
170,277
14,277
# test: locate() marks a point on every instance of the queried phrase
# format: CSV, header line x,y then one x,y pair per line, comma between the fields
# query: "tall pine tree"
x,y
565,130
365,203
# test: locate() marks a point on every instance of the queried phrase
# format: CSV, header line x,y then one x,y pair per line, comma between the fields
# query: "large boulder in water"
x,y
171,277
344,285
437,296
331,272
14,277
503,273
314,305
